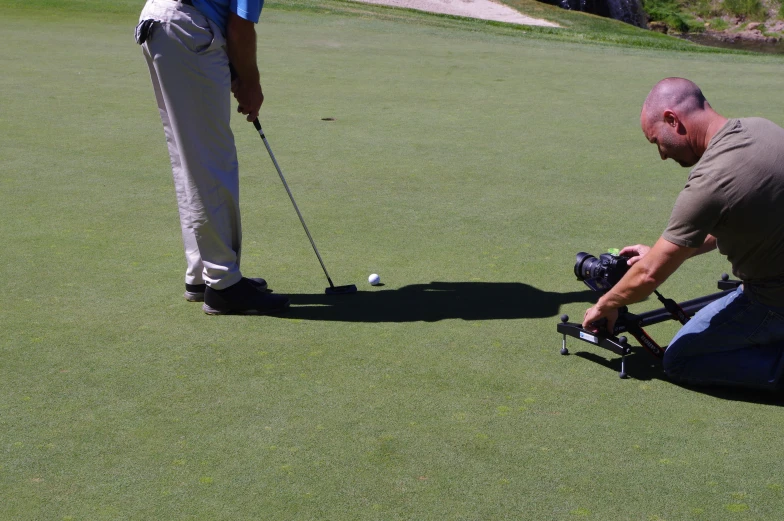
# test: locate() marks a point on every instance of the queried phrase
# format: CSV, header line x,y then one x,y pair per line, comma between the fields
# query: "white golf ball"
x,y
374,279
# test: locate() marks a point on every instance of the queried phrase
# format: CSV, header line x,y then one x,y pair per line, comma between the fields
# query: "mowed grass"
x,y
466,168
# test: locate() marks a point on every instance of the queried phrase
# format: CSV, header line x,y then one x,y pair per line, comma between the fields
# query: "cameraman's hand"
x,y
597,313
636,252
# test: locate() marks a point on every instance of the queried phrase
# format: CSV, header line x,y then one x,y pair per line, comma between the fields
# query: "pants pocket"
x,y
770,330
202,36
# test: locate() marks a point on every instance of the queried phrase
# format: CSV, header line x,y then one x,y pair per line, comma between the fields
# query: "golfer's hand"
x,y
595,314
636,252
249,97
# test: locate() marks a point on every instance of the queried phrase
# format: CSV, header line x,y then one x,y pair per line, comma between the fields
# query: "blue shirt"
x,y
218,10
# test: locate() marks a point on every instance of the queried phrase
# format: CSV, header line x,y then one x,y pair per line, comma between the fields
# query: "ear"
x,y
672,119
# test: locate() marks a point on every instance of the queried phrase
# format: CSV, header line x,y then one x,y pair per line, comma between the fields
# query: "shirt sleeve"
x,y
698,209
247,9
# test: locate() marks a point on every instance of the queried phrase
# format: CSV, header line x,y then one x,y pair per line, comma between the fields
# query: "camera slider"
x,y
633,324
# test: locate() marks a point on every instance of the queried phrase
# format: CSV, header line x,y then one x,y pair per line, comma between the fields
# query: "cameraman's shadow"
x,y
640,365
435,301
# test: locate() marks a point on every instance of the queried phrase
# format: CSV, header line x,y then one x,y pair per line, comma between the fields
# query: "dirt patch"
x,y
482,9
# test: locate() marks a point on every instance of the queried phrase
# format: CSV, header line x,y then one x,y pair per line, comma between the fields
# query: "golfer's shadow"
x,y
435,301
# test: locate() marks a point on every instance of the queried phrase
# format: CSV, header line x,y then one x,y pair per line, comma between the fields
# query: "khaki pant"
x,y
189,69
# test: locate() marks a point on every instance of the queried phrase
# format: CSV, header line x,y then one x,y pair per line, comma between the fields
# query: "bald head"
x,y
679,95
678,119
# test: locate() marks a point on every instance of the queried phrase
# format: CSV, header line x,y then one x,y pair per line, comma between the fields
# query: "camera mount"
x,y
634,324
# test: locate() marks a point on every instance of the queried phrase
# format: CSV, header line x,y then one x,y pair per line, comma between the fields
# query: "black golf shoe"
x,y
243,298
195,292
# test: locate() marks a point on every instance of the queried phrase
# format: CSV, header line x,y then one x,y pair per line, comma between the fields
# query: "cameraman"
x,y
733,200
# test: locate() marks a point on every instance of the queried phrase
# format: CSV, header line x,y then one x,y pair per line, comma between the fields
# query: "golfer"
x,y
189,45
734,201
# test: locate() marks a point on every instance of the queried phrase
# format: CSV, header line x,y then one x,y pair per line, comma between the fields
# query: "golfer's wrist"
x,y
248,75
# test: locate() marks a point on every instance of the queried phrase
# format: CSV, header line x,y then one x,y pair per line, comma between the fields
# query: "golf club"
x,y
332,289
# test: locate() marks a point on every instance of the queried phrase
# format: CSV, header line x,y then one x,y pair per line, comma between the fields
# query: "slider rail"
x,y
634,324
662,315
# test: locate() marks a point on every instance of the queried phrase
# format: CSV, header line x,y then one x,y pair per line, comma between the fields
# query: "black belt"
x,y
187,2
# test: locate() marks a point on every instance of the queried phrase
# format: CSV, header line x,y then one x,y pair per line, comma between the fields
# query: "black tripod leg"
x,y
623,374
564,320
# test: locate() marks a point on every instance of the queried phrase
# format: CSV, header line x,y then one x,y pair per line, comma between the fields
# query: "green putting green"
x,y
466,164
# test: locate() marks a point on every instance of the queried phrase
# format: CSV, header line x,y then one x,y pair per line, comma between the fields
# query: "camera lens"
x,y
584,265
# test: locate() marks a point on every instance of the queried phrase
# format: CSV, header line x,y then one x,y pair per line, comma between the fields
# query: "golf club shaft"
x,y
288,191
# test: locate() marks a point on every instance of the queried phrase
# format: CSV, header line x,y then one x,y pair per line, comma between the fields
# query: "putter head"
x,y
341,290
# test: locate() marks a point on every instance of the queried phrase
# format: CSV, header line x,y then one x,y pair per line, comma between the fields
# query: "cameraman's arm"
x,y
640,281
708,245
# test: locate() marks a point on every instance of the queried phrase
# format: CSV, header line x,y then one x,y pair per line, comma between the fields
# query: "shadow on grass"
x,y
435,301
639,365
642,366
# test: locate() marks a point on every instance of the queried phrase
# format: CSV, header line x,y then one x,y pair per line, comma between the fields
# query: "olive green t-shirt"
x,y
736,193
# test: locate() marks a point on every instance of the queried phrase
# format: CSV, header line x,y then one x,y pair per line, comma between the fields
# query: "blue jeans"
x,y
732,341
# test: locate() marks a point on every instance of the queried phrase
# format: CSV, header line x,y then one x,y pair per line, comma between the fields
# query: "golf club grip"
x,y
257,124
